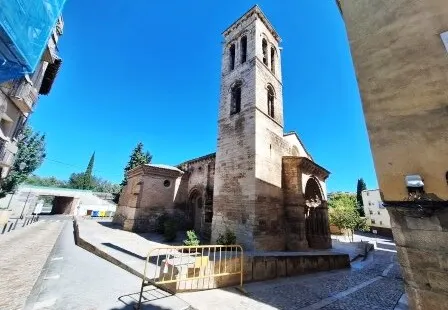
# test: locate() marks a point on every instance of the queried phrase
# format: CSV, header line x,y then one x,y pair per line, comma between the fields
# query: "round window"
x,y
167,183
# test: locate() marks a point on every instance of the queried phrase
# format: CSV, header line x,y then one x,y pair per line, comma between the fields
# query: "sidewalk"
x,y
23,254
129,250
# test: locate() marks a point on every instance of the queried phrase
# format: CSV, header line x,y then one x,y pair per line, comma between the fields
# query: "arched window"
x,y
273,60
243,49
270,101
235,101
264,46
232,56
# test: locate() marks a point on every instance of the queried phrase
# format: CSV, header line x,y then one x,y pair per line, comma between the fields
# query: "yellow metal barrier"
x,y
180,268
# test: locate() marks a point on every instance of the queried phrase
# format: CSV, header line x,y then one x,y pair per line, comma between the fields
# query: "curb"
x,y
94,250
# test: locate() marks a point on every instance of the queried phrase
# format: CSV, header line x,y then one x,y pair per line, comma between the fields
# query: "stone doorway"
x,y
196,206
316,216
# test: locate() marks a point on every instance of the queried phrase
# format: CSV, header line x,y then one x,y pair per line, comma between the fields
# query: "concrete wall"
x,y
401,65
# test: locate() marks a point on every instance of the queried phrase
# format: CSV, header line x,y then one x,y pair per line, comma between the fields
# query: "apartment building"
x,y
376,214
18,98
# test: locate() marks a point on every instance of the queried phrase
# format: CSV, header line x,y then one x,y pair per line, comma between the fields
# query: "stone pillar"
x,y
294,205
422,247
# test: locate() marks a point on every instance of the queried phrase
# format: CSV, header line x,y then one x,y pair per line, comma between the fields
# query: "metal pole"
x,y
23,209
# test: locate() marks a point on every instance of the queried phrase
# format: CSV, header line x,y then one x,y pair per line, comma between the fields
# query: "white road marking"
x,y
44,304
56,276
57,258
386,271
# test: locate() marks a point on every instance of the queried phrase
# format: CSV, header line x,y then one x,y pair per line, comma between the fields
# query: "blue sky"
x,y
150,71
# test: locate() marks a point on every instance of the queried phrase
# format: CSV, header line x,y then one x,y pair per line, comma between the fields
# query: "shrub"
x,y
228,238
170,230
192,239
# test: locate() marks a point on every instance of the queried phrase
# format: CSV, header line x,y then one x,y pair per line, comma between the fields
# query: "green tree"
x,y
343,212
88,184
359,188
45,181
104,186
29,157
137,158
76,180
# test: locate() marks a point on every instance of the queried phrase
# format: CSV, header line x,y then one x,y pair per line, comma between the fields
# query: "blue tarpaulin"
x,y
25,27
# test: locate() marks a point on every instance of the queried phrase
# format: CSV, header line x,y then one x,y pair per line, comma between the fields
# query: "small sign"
x,y
444,37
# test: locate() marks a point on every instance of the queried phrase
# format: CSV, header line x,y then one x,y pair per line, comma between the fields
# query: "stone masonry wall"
x,y
422,247
234,187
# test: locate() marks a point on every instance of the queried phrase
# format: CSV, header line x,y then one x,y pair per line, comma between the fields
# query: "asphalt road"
x,y
73,278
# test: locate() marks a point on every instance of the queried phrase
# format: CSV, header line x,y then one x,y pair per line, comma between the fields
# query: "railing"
x,y
23,94
6,156
181,268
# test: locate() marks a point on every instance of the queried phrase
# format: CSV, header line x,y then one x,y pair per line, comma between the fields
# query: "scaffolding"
x,y
25,27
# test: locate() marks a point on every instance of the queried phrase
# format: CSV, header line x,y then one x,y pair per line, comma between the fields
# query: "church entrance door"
x,y
195,210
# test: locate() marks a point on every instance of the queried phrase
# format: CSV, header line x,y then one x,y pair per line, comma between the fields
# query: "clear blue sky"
x,y
150,71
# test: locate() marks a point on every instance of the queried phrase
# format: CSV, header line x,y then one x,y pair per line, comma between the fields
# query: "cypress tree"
x,y
88,184
359,188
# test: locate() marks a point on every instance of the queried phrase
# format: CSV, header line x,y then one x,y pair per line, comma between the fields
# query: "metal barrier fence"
x,y
180,268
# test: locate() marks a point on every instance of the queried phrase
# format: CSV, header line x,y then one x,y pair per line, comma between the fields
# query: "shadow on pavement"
x,y
119,248
152,298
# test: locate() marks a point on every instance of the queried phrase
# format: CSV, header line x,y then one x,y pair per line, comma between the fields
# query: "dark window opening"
x,y
264,45
373,221
166,183
243,49
235,104
208,216
272,60
446,177
232,57
270,102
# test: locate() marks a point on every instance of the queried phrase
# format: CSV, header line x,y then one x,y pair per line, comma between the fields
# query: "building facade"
x,y
261,184
376,213
400,54
18,99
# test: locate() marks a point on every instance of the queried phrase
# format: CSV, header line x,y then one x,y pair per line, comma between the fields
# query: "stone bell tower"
x,y
248,198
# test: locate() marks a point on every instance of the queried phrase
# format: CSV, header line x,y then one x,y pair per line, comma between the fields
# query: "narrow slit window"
x,y
232,57
273,60
264,46
270,102
235,104
243,49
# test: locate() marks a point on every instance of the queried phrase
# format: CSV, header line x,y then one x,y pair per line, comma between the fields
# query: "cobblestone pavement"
x,y
373,284
23,253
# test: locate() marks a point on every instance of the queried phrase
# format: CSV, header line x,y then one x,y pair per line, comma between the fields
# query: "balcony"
x,y
23,94
7,152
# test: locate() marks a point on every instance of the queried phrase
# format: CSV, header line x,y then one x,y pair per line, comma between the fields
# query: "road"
x,y
42,268
73,278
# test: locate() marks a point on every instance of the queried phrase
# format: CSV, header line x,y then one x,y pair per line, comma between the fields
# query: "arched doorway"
x,y
316,216
195,209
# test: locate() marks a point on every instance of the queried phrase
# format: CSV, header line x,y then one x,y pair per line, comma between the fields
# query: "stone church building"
x,y
261,183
